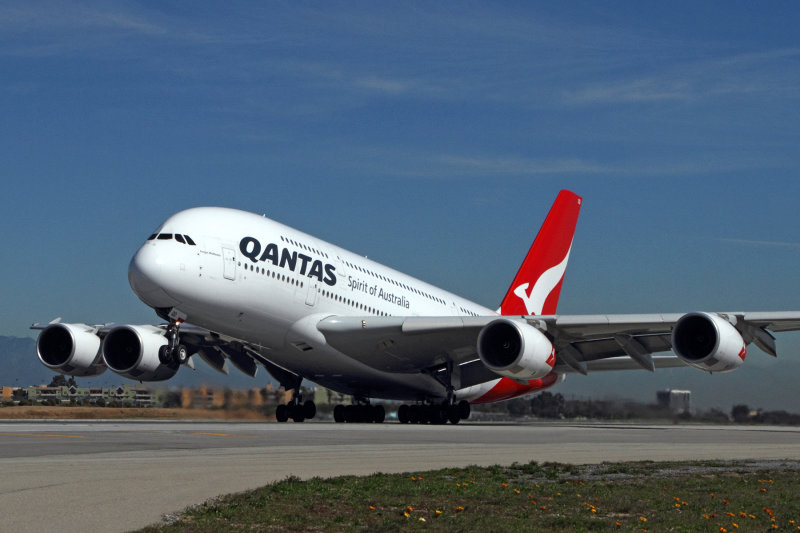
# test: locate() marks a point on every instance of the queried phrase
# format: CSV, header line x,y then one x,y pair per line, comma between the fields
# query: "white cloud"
x,y
768,72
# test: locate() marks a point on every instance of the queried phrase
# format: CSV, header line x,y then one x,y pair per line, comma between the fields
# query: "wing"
x,y
583,342
215,349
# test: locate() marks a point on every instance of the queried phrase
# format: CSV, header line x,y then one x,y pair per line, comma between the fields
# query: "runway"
x,y
118,476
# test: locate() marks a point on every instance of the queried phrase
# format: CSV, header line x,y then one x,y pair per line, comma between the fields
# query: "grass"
x,y
640,496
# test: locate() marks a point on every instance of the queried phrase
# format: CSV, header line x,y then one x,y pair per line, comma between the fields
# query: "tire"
x,y
437,415
163,355
309,410
181,354
378,414
453,414
282,413
403,414
338,414
463,409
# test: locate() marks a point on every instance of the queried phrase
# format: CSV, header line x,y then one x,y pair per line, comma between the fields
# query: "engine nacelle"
x,y
515,350
132,352
708,342
72,349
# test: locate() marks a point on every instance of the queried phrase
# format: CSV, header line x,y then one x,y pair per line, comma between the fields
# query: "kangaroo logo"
x,y
534,302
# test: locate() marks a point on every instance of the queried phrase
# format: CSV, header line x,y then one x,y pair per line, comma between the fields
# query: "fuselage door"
x,y
311,296
228,263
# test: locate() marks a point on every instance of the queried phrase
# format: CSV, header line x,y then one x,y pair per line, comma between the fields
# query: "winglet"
x,y
537,285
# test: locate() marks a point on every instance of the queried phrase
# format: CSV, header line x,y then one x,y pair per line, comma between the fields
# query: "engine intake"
x,y
708,342
132,352
71,349
516,350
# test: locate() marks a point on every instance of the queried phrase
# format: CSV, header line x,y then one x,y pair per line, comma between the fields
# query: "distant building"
x,y
214,398
125,394
677,401
6,393
323,396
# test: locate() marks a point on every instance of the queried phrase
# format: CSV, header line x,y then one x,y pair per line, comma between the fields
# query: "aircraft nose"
x,y
146,275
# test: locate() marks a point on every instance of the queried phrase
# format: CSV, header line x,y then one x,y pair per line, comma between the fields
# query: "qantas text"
x,y
282,257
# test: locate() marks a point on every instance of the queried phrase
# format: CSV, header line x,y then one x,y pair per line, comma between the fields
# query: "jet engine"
x,y
72,349
515,350
708,342
132,352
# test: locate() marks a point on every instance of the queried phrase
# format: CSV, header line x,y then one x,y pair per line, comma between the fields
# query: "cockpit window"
x,y
189,240
179,238
164,236
151,237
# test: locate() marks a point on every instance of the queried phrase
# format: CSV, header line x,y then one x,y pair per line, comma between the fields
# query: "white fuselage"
x,y
253,279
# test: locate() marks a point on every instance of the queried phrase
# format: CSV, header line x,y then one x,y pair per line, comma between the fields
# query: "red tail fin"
x,y
537,285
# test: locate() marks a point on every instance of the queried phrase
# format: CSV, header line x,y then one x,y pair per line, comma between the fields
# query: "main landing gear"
x,y
297,410
360,411
173,354
433,413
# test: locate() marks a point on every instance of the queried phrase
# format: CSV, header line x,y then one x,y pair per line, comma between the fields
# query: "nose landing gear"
x,y
173,354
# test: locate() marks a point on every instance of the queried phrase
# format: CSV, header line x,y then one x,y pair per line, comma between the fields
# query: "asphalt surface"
x,y
118,476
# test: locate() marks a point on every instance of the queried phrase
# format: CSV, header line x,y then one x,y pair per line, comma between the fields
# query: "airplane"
x,y
237,287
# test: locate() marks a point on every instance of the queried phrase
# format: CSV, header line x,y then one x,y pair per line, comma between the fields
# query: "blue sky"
x,y
432,138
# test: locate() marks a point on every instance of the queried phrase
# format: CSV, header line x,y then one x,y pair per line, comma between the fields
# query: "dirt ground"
x,y
97,413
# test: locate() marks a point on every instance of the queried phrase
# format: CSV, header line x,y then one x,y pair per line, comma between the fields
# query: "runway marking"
x,y
52,435
211,434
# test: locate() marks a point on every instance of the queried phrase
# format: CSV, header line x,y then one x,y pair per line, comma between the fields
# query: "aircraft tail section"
x,y
537,285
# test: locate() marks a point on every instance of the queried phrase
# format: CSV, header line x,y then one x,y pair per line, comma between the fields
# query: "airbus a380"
x,y
237,287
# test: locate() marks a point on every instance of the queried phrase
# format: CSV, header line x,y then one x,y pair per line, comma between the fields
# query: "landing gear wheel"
x,y
453,415
403,414
282,413
309,409
338,414
296,413
181,354
163,355
436,414
378,414
463,409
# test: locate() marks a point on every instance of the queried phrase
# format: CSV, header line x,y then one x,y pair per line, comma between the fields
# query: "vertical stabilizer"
x,y
537,285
